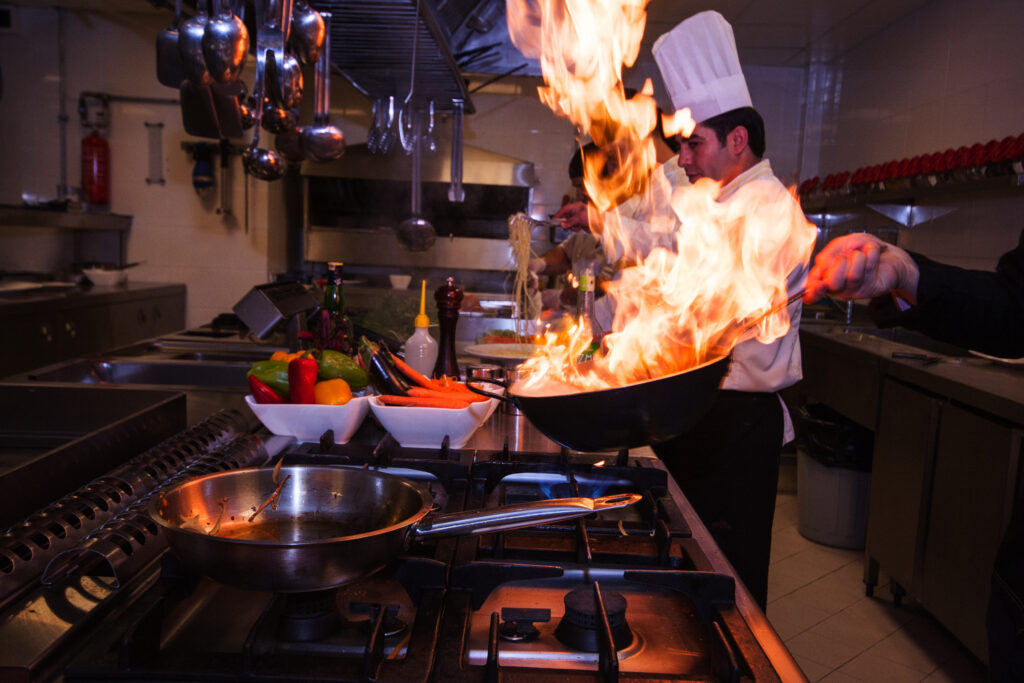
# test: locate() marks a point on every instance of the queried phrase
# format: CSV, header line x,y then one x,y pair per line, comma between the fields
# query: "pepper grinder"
x,y
448,298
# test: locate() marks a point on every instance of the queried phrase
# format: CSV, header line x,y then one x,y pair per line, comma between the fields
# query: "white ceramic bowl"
x,y
102,277
400,281
308,422
427,427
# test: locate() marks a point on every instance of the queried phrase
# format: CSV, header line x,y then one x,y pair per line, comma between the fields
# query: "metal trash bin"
x,y
833,477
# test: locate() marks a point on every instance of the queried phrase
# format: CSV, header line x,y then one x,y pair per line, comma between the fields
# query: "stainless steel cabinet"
x,y
50,331
901,475
943,485
973,489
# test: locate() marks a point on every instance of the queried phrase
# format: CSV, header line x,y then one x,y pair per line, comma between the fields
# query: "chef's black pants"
x,y
728,467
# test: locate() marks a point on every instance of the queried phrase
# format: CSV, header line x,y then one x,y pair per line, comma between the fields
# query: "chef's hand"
x,y
861,266
551,299
574,217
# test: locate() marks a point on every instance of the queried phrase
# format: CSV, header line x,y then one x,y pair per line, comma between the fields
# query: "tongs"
x,y
772,311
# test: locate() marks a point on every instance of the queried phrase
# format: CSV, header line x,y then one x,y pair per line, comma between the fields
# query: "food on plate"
x,y
503,337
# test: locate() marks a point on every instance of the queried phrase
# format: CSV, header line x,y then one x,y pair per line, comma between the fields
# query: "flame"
x,y
707,270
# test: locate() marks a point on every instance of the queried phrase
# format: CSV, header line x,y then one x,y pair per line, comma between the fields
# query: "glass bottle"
x,y
585,311
339,330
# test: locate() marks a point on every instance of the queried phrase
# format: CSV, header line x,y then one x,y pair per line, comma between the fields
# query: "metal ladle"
x,y
264,164
322,141
308,32
225,44
416,233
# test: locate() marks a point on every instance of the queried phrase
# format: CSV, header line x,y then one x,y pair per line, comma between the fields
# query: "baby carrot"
x,y
413,374
418,402
420,392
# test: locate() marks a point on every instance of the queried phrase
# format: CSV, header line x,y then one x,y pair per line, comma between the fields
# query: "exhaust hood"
x,y
372,41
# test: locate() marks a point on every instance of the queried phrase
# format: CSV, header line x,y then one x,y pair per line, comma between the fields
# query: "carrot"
x,y
418,402
421,392
459,390
413,374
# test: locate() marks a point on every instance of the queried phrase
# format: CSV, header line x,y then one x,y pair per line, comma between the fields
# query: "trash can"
x,y
833,477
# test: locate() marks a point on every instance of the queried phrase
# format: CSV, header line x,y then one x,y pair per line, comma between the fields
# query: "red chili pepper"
x,y
261,393
302,374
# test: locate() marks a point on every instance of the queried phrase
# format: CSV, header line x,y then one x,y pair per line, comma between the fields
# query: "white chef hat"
x,y
700,66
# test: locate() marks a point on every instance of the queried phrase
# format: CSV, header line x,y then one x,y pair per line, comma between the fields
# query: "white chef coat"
x,y
768,367
754,366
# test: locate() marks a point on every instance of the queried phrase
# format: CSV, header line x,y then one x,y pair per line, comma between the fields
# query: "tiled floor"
x,y
816,603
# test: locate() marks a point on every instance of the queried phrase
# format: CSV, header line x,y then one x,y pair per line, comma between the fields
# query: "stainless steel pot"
x,y
330,526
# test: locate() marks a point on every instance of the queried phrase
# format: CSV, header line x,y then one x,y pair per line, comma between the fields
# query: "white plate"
x,y
1011,362
426,427
518,352
308,422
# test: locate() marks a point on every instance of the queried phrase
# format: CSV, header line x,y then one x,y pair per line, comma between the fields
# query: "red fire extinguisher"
x,y
95,169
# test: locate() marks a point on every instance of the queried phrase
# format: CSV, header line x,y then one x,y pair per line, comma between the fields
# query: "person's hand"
x,y
551,299
861,266
574,217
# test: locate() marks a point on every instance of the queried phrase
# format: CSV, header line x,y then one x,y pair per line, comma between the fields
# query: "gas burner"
x,y
309,617
580,628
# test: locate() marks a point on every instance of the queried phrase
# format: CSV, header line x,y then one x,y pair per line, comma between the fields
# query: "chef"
x,y
728,464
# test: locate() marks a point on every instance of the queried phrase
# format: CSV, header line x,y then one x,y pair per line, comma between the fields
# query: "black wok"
x,y
331,525
641,414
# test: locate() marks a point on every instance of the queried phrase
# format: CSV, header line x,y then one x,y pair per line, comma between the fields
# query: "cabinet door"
x,y
976,462
901,473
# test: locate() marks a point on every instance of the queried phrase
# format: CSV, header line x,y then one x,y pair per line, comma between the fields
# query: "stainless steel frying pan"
x,y
330,525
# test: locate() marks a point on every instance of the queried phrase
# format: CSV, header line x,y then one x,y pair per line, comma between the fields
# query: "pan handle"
x,y
478,390
517,516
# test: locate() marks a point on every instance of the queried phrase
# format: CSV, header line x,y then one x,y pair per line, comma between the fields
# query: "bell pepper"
x,y
302,374
273,373
332,392
261,393
284,355
338,365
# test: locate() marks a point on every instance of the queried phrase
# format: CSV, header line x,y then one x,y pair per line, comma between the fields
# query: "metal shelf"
x,y
950,190
17,216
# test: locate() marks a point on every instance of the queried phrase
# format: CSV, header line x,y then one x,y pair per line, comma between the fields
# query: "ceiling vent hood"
x,y
372,43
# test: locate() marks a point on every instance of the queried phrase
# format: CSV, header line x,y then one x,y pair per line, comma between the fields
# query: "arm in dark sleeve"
x,y
972,309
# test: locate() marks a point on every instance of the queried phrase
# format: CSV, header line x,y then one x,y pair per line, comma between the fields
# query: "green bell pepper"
x,y
273,373
335,365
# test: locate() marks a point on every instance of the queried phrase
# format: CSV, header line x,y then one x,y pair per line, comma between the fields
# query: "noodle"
x,y
519,228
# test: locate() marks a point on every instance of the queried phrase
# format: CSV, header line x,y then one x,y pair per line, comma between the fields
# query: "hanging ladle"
x,y
260,163
225,44
322,141
415,233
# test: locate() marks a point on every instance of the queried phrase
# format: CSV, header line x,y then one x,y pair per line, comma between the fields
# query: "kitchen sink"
x,y
198,374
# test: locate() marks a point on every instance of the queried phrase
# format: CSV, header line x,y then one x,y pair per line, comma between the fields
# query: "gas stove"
x,y
636,593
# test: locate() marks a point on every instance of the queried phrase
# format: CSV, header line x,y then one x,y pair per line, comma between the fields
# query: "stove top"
x,y
625,594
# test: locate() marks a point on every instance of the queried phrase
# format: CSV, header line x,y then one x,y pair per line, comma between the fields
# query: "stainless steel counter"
x,y
989,386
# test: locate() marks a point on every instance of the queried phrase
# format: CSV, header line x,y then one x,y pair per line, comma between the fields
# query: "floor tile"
x,y
836,633
869,667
